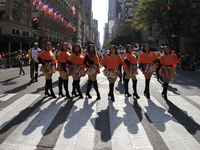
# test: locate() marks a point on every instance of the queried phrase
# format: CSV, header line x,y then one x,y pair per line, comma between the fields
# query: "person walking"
x,y
63,70
159,53
146,62
47,59
130,67
167,71
91,61
21,57
111,62
33,57
77,69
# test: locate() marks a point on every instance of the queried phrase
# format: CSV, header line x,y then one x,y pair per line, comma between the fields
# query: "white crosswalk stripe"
x,y
78,130
6,96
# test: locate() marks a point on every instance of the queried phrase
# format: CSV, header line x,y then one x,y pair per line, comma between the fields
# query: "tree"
x,y
128,34
173,22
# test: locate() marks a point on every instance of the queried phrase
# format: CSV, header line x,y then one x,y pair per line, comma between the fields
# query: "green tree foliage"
x,y
181,20
128,34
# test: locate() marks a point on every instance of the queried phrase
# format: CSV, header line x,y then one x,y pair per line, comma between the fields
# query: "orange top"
x,y
147,58
47,55
169,59
63,57
74,59
95,59
131,58
111,62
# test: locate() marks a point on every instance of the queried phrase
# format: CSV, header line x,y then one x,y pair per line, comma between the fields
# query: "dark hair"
x,y
62,49
47,42
143,50
127,46
73,49
114,48
170,51
91,54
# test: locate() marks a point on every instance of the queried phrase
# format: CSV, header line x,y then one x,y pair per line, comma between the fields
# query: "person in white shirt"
x,y
33,57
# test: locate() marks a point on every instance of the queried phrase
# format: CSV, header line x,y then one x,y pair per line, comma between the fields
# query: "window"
x,y
2,9
0,31
15,11
13,31
17,33
24,33
24,15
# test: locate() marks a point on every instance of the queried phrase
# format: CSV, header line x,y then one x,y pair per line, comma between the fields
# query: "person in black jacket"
x,y
91,61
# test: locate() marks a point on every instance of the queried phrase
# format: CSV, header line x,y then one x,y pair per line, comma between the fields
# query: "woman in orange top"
x,y
130,67
47,59
91,61
63,69
77,70
167,71
147,65
111,62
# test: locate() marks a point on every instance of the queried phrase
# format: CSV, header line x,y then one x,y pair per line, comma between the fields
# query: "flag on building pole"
x,y
74,9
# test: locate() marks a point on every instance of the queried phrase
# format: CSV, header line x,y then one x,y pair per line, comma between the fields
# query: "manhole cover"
x,y
9,83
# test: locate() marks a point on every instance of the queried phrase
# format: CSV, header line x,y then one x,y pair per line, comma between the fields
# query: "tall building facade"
x,y
16,32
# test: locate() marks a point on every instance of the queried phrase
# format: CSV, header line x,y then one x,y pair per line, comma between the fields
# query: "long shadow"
x,y
8,80
120,87
43,122
102,124
83,116
190,125
22,116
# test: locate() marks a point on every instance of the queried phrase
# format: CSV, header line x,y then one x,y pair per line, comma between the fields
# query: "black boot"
x,y
89,84
66,88
146,91
79,89
49,84
126,81
164,92
111,94
74,84
60,83
97,90
135,89
46,93
36,77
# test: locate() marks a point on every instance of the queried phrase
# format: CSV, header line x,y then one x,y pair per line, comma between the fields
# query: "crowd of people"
x,y
116,62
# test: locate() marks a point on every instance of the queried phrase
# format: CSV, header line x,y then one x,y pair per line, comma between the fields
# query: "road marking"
x,y
172,132
10,112
187,108
6,96
78,130
126,130
27,135
195,99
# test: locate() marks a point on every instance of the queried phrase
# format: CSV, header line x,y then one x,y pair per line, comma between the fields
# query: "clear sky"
x,y
99,8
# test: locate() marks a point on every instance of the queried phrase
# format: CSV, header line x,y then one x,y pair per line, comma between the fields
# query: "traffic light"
x,y
34,23
169,8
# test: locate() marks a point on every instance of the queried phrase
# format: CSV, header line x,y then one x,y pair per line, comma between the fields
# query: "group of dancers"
x,y
77,65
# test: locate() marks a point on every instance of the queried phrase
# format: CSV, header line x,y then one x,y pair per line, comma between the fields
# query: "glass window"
x,y
24,15
13,31
15,11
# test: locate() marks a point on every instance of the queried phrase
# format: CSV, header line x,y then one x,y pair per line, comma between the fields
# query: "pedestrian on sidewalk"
x,y
167,71
21,57
33,57
147,66
77,69
130,67
111,62
159,53
91,61
47,59
63,70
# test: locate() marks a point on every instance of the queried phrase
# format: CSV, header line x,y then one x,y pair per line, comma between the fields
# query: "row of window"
x,y
16,32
